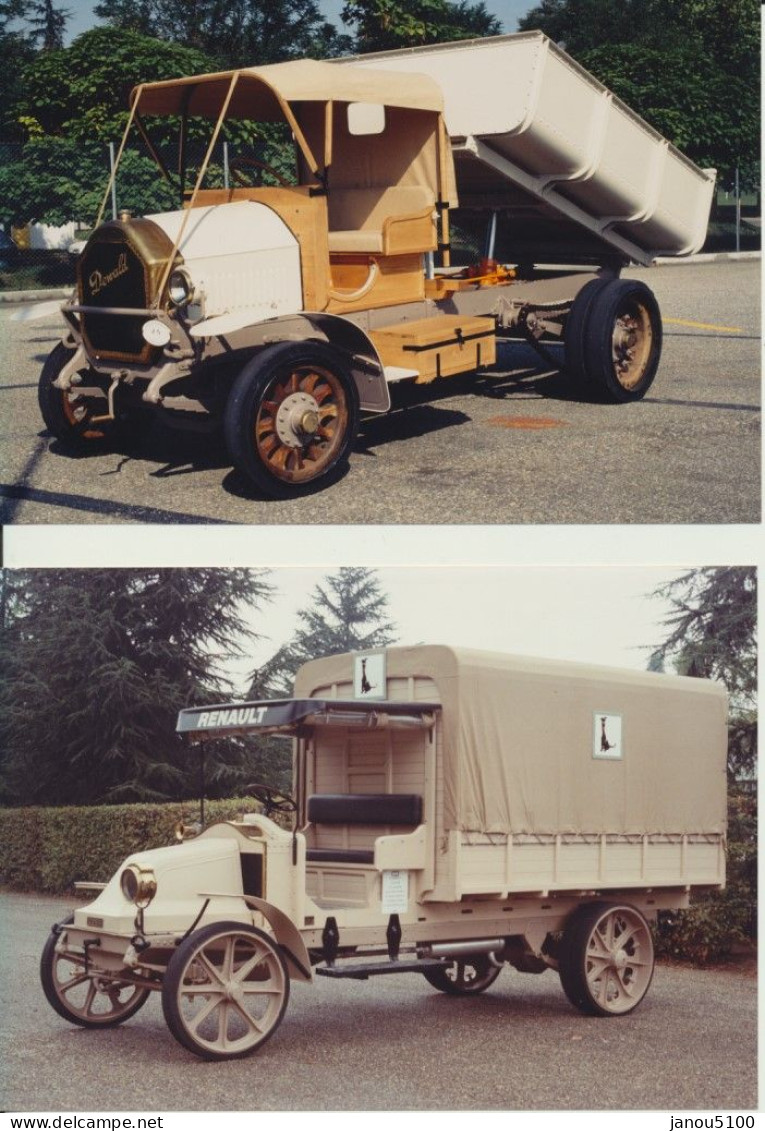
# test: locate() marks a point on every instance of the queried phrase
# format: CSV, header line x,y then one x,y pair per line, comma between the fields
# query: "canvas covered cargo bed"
x,y
534,134
523,796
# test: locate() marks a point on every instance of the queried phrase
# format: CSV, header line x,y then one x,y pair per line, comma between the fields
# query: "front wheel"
x,y
613,338
69,413
87,999
606,959
291,417
225,991
470,975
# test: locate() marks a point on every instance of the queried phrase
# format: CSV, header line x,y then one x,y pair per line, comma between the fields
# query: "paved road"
x,y
390,1043
506,447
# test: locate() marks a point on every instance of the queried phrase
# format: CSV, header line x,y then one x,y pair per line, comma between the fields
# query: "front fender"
x,y
288,937
241,332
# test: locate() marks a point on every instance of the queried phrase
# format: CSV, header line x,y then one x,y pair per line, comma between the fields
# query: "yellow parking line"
x,y
705,325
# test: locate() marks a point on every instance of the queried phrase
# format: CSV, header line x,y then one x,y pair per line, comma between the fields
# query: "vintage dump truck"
x,y
455,812
283,306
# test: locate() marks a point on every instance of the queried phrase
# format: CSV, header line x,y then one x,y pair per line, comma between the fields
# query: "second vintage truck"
x,y
284,305
454,813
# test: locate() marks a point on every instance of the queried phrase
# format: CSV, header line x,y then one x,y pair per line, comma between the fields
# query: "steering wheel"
x,y
239,175
272,799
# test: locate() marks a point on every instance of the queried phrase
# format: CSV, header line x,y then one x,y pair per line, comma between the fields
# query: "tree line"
x,y
95,665
689,67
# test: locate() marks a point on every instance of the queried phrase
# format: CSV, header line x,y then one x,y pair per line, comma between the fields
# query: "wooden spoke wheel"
x,y
225,991
469,975
87,999
606,961
69,413
614,337
291,417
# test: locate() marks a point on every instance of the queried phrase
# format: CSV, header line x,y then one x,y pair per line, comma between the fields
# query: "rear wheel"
x,y
85,999
69,413
613,338
606,959
225,991
291,417
469,975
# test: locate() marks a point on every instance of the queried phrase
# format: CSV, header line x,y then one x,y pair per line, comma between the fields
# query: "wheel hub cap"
x,y
297,419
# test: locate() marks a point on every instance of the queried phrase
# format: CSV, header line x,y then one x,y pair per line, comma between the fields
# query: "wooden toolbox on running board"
x,y
437,347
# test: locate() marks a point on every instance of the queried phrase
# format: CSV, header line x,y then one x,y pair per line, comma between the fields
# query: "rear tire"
x,y
622,340
470,975
606,959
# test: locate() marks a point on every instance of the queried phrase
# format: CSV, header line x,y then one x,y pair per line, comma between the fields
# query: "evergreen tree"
x,y
348,613
94,666
48,24
712,633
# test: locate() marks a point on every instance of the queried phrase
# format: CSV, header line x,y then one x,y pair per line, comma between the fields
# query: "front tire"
x,y
225,991
291,417
68,413
606,959
88,1000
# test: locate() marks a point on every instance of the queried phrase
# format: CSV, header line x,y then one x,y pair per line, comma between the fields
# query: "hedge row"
x,y
46,850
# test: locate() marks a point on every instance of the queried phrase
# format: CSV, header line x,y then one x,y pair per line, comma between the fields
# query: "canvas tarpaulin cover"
x,y
519,739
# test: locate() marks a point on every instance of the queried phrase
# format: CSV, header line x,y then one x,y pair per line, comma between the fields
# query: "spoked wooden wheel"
x,y
471,975
607,960
86,999
614,337
69,413
225,991
291,417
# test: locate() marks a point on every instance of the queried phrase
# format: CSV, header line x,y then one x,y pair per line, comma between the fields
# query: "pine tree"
x,y
348,613
95,667
48,24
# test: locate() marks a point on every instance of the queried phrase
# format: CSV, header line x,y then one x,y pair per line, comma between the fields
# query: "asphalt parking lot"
x,y
390,1043
506,446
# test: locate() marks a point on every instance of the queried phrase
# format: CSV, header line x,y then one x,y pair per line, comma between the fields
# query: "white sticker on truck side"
x,y
395,893
607,735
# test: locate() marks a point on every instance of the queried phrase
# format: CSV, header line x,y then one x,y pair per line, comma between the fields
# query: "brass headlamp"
x,y
138,885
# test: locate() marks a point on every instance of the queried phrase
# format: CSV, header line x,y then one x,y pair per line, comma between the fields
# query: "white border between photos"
x,y
135,545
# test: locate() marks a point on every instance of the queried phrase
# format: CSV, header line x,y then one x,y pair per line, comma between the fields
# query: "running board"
x,y
361,971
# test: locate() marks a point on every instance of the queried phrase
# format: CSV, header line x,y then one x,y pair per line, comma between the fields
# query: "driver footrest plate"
x,y
363,970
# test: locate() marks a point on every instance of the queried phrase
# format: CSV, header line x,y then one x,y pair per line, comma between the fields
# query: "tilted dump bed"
x,y
536,134
548,775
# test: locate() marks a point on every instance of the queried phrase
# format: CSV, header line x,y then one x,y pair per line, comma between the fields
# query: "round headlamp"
x,y
180,288
138,885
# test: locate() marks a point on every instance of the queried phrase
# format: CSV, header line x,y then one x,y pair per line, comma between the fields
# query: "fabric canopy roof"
x,y
259,89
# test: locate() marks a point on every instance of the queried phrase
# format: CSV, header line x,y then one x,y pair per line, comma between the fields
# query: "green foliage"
x,y
712,629
712,634
690,67
82,91
244,34
94,666
382,25
48,23
47,850
348,613
718,922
